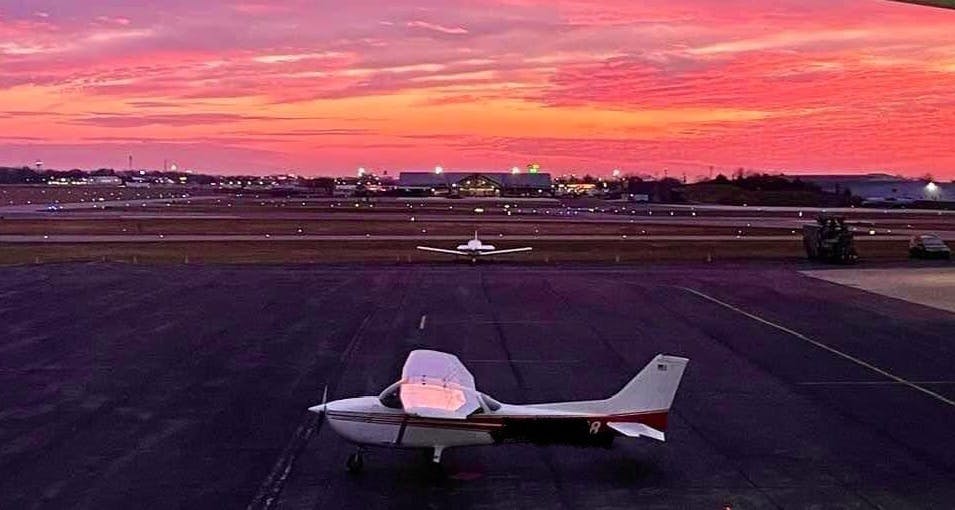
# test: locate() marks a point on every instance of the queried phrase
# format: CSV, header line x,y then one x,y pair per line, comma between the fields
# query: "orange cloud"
x,y
793,85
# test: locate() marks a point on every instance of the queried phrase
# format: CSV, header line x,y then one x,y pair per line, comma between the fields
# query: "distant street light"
x,y
932,190
515,170
616,173
438,170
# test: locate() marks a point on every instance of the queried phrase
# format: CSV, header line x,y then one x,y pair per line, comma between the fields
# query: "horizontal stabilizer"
x,y
637,430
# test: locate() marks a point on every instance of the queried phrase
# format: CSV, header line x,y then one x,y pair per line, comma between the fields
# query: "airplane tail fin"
x,y
653,389
641,407
645,401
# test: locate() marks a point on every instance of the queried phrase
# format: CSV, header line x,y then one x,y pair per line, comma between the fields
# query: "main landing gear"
x,y
355,462
435,468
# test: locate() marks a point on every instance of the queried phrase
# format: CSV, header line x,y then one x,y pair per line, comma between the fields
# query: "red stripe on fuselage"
x,y
655,419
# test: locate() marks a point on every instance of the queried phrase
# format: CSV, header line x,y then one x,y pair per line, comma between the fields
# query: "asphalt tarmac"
x,y
186,386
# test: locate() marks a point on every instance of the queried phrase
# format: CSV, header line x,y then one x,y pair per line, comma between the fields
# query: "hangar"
x,y
475,184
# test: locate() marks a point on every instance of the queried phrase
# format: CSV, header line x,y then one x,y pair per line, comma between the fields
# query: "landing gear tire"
x,y
436,471
355,463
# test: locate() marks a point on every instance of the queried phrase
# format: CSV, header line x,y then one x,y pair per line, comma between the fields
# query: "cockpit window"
x,y
490,403
391,397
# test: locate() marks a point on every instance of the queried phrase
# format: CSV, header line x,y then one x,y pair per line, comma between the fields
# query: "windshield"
x,y
490,403
391,396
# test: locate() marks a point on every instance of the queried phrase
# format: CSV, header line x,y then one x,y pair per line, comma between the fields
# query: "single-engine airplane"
x,y
435,405
474,249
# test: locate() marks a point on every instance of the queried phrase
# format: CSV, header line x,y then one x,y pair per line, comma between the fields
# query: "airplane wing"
x,y
502,252
437,385
637,430
441,250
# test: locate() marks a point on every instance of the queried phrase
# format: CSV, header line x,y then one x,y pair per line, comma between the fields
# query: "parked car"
x,y
928,246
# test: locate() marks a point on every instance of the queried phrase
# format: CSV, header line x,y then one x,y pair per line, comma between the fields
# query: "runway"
x,y
222,238
450,240
186,386
772,223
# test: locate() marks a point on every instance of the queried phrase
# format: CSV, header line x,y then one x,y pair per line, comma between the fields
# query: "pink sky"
x,y
323,87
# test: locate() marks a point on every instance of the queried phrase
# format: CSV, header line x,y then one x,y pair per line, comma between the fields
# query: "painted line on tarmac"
x,y
823,346
424,320
271,488
527,361
353,343
866,383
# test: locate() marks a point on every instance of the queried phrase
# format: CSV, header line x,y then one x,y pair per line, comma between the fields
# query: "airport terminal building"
x,y
475,184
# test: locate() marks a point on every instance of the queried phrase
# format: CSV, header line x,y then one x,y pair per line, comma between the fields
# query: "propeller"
x,y
320,409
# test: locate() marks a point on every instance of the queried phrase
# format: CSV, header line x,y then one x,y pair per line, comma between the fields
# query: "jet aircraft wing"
x,y
502,252
437,385
441,250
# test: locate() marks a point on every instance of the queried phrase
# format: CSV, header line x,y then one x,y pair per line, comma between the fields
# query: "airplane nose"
x,y
321,408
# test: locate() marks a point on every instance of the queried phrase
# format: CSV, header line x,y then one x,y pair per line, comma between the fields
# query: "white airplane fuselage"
x,y
475,247
365,421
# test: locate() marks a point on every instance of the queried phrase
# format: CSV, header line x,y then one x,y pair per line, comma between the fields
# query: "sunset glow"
x,y
319,87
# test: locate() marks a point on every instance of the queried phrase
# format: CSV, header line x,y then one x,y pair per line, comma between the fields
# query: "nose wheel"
x,y
355,462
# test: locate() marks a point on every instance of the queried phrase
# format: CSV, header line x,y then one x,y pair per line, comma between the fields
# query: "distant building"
x,y
640,190
94,180
345,187
876,189
475,184
106,180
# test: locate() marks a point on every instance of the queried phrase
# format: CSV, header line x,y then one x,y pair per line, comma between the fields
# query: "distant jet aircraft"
x,y
474,249
435,406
